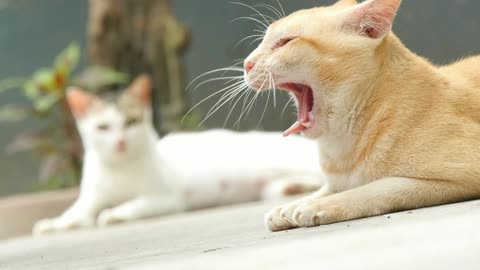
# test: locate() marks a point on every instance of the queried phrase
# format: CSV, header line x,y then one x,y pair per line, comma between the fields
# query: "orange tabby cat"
x,y
395,131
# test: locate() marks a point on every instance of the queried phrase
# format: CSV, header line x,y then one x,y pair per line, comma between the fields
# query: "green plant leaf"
x,y
12,113
44,79
11,83
30,90
46,102
97,77
68,59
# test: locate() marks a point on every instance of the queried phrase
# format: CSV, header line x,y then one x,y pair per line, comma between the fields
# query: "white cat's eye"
x,y
282,42
103,127
131,121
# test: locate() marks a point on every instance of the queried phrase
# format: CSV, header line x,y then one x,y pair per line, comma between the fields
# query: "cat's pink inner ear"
x,y
373,18
141,87
79,101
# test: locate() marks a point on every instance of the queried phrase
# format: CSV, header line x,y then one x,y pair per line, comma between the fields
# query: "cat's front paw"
x,y
108,217
281,218
55,225
311,214
44,226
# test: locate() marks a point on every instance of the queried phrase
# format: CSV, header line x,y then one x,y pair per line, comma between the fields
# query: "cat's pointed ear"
x,y
345,3
79,101
373,18
141,88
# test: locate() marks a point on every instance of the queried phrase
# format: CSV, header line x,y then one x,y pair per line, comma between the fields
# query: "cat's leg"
x,y
80,215
380,197
140,208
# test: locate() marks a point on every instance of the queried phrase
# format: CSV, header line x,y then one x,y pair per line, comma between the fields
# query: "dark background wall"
x,y
33,31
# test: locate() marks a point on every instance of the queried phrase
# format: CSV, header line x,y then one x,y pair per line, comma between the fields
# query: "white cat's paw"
x,y
49,226
108,217
44,226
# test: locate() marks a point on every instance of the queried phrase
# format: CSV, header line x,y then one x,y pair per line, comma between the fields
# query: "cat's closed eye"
x,y
131,121
284,41
103,127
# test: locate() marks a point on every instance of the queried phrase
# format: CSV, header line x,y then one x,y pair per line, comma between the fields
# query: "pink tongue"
x,y
302,116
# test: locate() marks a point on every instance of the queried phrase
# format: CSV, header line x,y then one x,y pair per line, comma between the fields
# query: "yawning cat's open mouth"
x,y
305,118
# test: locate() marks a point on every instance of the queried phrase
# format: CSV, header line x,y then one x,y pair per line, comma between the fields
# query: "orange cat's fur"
x,y
395,131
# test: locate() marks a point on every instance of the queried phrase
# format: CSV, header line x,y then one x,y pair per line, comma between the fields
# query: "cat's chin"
x,y
305,103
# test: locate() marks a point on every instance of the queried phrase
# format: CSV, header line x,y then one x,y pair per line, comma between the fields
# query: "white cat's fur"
x,y
150,177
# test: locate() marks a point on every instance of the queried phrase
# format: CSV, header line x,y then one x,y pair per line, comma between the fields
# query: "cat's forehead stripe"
x,y
130,105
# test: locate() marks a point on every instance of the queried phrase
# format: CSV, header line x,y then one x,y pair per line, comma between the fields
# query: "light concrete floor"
x,y
445,237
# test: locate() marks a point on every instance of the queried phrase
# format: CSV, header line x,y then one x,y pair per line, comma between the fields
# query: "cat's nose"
x,y
248,65
121,145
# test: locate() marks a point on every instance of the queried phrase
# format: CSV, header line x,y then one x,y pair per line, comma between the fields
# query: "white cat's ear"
x,y
373,18
79,101
345,3
141,87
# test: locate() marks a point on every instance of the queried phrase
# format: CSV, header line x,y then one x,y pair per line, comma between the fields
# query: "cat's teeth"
x,y
307,125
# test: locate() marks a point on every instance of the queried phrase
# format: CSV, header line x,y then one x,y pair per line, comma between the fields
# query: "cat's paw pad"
x,y
108,217
280,218
310,215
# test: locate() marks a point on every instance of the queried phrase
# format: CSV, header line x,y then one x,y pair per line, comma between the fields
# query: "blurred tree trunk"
x,y
142,36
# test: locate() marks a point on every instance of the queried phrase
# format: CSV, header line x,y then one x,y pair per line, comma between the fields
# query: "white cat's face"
x,y
113,134
115,129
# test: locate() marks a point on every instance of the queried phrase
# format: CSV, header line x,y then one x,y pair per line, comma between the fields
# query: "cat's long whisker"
x,y
229,90
245,93
230,78
237,123
226,97
208,97
221,105
272,87
272,9
271,19
281,8
264,109
252,19
255,40
250,104
254,9
285,107
249,37
245,100
226,69
258,92
260,31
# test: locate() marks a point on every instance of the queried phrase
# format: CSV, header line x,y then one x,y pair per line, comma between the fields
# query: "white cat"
x,y
129,174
